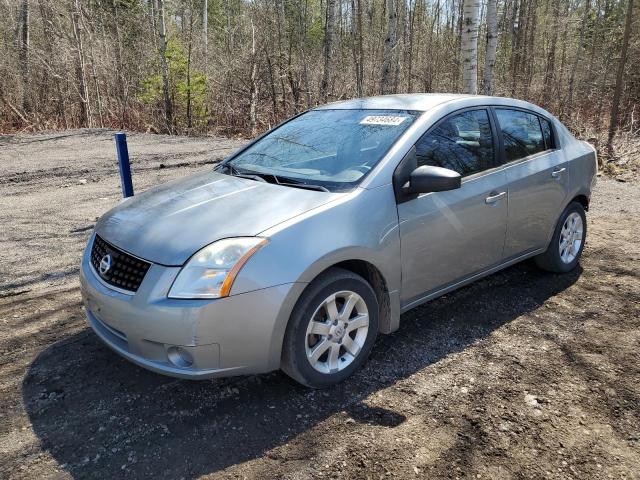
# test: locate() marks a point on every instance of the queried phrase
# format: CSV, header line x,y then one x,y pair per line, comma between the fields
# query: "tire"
x,y
561,257
318,349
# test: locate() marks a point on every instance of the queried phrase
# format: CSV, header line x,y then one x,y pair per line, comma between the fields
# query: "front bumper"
x,y
240,334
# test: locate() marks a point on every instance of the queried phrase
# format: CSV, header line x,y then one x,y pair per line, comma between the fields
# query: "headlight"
x,y
210,272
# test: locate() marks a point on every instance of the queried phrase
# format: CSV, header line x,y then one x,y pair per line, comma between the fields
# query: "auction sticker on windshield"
x,y
391,120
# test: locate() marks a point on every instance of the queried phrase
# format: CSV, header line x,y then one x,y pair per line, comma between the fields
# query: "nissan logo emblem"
x,y
105,264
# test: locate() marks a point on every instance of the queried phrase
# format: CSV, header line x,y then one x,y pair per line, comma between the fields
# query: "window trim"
x,y
553,138
498,152
503,155
493,125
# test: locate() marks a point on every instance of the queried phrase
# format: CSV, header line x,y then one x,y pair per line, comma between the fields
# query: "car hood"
x,y
169,223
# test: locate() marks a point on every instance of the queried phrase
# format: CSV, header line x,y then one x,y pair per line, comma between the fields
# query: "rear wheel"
x,y
332,329
567,243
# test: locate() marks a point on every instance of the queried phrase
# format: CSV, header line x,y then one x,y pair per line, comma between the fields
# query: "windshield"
x,y
328,149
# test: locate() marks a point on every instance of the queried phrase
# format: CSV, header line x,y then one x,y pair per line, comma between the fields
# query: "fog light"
x,y
179,356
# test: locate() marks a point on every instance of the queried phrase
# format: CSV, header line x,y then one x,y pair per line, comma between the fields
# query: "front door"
x,y
447,236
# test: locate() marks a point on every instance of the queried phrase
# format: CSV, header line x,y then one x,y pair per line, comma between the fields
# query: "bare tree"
x,y
615,106
491,46
358,53
469,46
83,91
162,47
578,56
253,86
390,56
205,33
24,54
549,74
240,67
328,48
189,56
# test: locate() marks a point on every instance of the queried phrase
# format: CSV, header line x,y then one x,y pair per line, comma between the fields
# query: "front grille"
x,y
124,271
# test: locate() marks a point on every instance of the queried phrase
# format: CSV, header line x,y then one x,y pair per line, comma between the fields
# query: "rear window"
x,y
521,133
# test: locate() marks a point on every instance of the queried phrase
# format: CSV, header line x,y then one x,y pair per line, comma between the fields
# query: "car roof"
x,y
410,101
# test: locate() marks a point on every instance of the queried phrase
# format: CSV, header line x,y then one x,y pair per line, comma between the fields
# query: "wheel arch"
x,y
388,300
582,199
374,277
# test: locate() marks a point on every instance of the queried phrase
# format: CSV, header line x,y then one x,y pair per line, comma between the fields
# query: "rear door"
x,y
537,175
447,236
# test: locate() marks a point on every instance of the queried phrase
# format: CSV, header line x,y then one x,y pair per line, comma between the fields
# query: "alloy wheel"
x,y
337,332
571,237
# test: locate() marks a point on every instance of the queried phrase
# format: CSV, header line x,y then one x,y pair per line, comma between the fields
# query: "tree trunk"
x,y
529,61
549,74
45,17
389,58
518,59
469,46
492,45
303,54
86,119
272,86
578,57
280,71
24,55
358,57
120,76
328,49
92,63
411,14
615,106
253,86
205,33
189,54
162,47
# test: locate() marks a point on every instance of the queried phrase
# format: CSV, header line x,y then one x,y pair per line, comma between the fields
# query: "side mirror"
x,y
427,179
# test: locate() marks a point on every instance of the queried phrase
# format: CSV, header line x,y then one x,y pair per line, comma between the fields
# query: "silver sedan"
x,y
296,251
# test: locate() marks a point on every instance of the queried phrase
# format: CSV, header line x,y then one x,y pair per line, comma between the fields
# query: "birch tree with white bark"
x,y
235,67
492,45
469,46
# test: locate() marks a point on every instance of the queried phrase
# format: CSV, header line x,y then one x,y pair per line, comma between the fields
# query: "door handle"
x,y
491,199
557,172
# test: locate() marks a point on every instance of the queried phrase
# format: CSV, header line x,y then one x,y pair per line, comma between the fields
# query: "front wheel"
x,y
567,243
332,329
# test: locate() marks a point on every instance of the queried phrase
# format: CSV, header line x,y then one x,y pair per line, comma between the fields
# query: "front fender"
x,y
361,226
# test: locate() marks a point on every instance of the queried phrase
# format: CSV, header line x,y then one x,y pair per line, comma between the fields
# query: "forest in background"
x,y
237,67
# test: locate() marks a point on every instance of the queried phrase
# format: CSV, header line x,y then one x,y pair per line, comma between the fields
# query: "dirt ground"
x,y
521,375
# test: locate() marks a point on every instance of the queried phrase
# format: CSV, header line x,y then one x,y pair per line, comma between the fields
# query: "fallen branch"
x,y
15,110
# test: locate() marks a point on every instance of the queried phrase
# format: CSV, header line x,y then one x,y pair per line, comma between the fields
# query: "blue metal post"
x,y
123,163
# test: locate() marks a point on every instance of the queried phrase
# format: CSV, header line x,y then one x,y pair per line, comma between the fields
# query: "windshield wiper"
x,y
264,177
251,176
290,182
246,174
308,186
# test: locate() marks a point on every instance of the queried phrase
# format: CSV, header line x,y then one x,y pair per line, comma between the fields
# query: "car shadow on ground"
x,y
100,416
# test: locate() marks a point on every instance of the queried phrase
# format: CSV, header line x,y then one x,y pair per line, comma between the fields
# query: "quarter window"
x,y
547,133
521,133
462,143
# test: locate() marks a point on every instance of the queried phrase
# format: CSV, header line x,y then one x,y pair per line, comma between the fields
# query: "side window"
x,y
521,133
547,133
462,143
